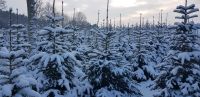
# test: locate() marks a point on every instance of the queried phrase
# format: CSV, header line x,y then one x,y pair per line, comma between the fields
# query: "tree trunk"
x,y
31,15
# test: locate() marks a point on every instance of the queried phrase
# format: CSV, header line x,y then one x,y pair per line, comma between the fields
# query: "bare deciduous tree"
x,y
80,17
2,4
38,8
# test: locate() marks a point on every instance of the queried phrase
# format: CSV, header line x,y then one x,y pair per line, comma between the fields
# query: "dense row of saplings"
x,y
107,63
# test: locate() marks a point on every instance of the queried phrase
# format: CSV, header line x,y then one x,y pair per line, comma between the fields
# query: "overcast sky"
x,y
130,9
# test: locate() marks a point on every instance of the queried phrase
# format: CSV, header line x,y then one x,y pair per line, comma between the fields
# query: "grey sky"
x,y
129,9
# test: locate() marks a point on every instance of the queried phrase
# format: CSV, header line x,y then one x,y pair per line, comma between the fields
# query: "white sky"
x,y
129,9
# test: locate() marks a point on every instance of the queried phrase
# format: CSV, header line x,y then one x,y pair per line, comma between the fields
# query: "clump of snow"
x,y
185,56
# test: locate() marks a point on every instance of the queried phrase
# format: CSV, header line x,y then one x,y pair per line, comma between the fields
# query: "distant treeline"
x,y
4,19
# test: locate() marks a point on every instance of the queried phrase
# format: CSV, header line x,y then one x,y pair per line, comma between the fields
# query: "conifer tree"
x,y
143,66
108,71
14,80
180,71
57,69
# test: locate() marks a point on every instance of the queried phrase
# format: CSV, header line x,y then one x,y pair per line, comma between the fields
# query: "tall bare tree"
x,y
107,14
80,17
31,14
38,8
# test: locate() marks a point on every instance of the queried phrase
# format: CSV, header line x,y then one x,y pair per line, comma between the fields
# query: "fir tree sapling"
x,y
142,57
14,78
1,39
57,69
181,69
108,72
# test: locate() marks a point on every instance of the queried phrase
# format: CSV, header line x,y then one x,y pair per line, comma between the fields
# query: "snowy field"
x,y
50,54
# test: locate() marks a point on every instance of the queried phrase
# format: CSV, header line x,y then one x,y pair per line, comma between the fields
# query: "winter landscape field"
x,y
99,48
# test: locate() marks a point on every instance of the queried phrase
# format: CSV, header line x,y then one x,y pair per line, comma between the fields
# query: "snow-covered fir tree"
x,y
142,58
160,37
20,37
108,71
57,70
181,69
1,39
14,78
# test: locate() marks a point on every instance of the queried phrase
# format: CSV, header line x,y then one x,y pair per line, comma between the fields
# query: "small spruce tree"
x,y
181,69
